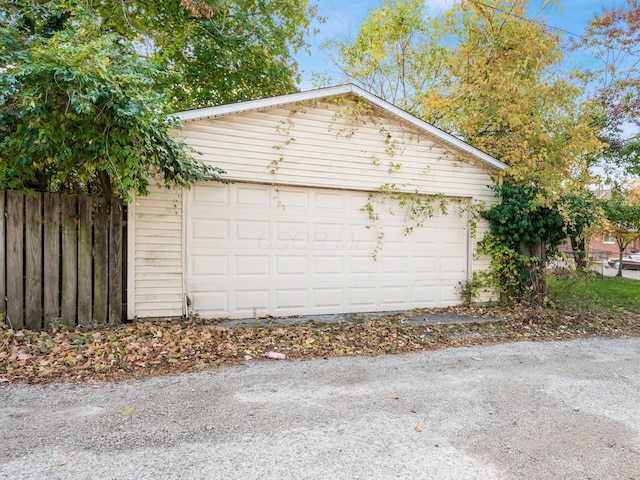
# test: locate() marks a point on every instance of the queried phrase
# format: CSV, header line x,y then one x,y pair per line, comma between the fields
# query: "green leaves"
x,y
81,116
83,112
485,73
524,231
622,219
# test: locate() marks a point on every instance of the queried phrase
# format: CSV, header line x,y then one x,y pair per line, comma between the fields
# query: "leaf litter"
x,y
174,346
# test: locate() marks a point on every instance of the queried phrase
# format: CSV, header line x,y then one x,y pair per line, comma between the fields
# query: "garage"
x,y
255,249
336,202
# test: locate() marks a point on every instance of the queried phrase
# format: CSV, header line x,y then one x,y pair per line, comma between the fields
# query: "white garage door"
x,y
253,250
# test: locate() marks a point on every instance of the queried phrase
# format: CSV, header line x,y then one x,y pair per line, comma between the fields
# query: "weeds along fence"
x,y
63,259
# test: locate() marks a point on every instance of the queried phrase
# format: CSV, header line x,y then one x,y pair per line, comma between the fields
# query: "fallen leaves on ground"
x,y
172,346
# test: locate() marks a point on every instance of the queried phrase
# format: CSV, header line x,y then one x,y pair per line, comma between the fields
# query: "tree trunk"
x,y
622,245
579,253
538,273
106,188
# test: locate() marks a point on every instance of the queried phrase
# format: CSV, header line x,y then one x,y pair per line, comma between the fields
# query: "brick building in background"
x,y
605,243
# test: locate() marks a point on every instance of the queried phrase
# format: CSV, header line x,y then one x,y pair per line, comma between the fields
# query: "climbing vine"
x,y
350,116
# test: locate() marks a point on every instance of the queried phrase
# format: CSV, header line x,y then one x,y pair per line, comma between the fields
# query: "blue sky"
x,y
344,16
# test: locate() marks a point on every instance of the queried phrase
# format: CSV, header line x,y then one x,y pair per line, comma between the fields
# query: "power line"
x,y
511,14
550,27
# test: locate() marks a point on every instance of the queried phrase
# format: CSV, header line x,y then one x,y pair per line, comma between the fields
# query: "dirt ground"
x,y
565,410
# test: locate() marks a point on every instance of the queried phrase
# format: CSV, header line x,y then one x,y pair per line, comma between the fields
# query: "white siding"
x,y
318,145
157,254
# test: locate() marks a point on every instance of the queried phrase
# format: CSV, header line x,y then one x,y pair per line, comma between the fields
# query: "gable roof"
x,y
340,90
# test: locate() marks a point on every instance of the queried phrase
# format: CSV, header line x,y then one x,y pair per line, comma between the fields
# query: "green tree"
x,y
210,51
396,54
86,85
78,114
582,213
485,73
622,214
613,37
524,232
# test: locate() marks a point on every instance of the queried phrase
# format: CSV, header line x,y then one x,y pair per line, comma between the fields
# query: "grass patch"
x,y
595,293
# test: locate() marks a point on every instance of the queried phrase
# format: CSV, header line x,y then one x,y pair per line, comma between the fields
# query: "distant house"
x,y
604,243
326,185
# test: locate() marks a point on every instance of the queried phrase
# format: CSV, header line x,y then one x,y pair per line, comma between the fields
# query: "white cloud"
x,y
438,6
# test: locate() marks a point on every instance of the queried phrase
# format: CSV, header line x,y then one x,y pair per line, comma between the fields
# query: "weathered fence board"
x,y
33,261
101,261
15,256
62,257
84,258
69,261
115,265
3,257
51,258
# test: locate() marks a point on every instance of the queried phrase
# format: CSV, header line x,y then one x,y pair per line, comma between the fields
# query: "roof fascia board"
x,y
232,108
435,131
235,108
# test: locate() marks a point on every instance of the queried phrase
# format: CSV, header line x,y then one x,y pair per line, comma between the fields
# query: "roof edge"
x,y
270,102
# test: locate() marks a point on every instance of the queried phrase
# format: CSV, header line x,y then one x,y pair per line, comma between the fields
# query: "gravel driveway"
x,y
565,410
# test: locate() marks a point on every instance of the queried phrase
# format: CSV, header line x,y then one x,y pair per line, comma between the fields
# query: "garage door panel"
x,y
328,298
424,295
395,235
251,230
292,265
395,266
293,199
204,229
250,301
396,297
291,298
331,201
292,235
453,235
327,236
209,265
362,265
207,195
252,266
360,237
362,297
254,250
425,238
328,265
252,196
424,265
215,302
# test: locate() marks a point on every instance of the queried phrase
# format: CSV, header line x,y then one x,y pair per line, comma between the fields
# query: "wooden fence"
x,y
63,259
